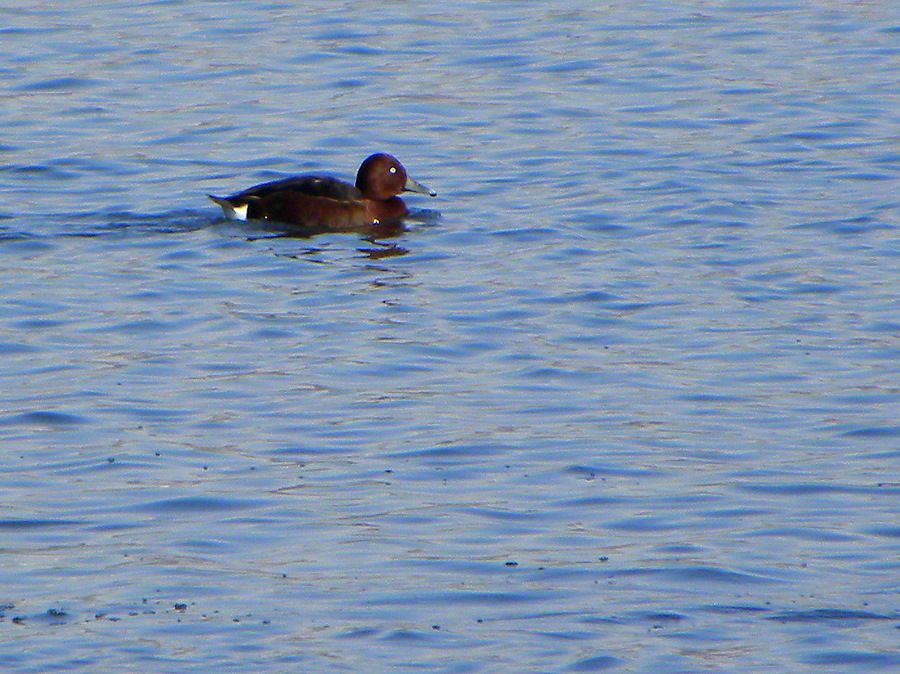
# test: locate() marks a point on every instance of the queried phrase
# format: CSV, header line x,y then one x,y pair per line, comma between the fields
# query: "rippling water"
x,y
625,397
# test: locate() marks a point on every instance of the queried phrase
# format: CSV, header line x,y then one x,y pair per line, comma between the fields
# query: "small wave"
x,y
23,524
44,227
818,615
198,504
57,84
44,419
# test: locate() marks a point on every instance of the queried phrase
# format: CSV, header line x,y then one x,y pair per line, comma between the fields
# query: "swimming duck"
x,y
324,203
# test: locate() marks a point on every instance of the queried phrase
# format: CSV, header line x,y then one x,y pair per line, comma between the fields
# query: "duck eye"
x,y
393,169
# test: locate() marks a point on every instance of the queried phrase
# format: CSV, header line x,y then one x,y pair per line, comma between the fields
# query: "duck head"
x,y
382,176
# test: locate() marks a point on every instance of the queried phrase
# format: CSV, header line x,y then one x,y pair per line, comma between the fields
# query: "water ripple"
x,y
621,398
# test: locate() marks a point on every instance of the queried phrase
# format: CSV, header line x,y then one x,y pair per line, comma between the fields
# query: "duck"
x,y
320,202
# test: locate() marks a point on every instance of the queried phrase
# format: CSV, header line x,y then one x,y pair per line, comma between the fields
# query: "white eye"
x,y
393,169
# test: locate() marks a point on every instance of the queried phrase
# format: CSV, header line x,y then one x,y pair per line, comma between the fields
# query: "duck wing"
x,y
309,185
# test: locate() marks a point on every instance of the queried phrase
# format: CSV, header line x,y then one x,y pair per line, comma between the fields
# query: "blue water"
x,y
623,398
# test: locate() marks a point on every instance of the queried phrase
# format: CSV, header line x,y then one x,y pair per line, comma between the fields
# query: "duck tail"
x,y
231,210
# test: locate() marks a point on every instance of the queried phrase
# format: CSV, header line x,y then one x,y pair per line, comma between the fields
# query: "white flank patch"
x,y
231,211
238,212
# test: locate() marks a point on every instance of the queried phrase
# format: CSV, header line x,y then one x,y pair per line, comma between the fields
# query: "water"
x,y
624,397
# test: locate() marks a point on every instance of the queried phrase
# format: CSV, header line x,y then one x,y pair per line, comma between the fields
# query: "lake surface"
x,y
625,396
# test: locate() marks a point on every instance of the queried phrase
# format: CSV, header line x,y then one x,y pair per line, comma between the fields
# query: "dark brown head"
x,y
382,176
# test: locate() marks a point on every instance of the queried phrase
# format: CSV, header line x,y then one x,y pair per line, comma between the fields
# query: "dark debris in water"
x,y
58,615
54,615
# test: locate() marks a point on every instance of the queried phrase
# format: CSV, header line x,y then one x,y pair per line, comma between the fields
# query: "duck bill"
x,y
416,186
